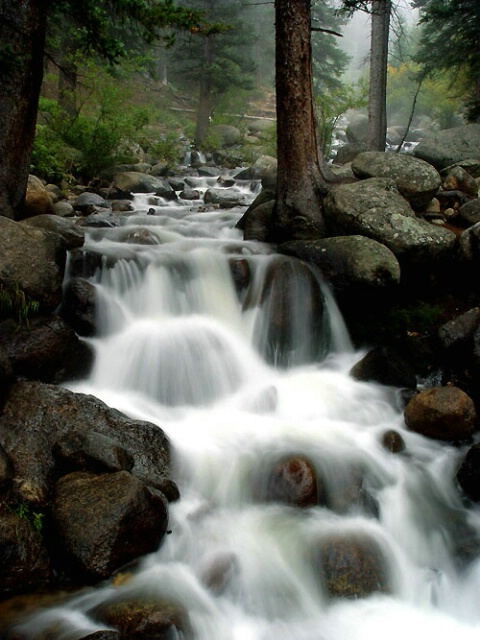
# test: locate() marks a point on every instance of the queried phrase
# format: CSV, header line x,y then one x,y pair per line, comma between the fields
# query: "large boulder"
x,y
46,349
41,276
348,262
444,413
416,180
136,182
293,328
227,134
374,208
38,200
450,146
385,366
35,416
351,566
225,198
145,619
291,480
73,235
79,306
101,522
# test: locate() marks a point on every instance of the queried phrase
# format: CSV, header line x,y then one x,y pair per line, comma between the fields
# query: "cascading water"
x,y
184,345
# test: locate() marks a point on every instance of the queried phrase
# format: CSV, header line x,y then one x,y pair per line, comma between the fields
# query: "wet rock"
x,y
385,366
457,335
38,200
345,492
73,235
218,571
190,194
6,372
256,225
351,566
468,475
46,349
469,213
225,198
24,562
79,306
444,413
352,263
35,416
86,200
41,276
84,264
141,236
102,635
374,208
102,219
240,270
138,182
6,469
293,329
144,619
416,180
292,481
392,441
92,452
459,178
101,522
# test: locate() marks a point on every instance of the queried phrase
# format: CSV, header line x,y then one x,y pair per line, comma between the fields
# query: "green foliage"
x,y
435,98
35,518
82,146
418,317
450,43
15,303
331,105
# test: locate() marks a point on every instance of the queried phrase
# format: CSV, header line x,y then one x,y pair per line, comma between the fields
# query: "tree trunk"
x,y
300,181
377,100
204,113
23,38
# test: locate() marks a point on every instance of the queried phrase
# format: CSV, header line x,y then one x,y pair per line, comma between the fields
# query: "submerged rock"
x,y
385,366
351,566
293,481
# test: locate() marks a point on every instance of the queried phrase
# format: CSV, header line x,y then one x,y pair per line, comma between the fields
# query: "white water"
x,y
180,348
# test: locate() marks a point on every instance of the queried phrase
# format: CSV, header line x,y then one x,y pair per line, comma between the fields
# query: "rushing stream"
x,y
185,347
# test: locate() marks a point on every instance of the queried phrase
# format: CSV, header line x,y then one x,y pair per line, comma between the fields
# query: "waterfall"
x,y
242,357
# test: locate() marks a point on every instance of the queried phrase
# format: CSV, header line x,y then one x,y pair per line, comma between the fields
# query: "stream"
x,y
186,346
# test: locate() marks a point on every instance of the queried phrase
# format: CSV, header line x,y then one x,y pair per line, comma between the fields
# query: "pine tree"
x,y
451,41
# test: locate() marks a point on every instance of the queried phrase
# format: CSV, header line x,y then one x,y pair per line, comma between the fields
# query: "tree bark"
x,y
377,100
300,182
23,36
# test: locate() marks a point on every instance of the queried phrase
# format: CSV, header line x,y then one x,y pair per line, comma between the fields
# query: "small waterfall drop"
x,y
242,357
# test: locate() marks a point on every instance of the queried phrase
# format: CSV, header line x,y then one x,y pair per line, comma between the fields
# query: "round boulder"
x,y
143,619
351,566
293,480
450,146
444,413
392,441
416,180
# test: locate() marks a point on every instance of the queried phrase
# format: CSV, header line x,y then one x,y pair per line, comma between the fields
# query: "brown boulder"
x,y
293,481
445,413
144,619
36,415
352,566
101,522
